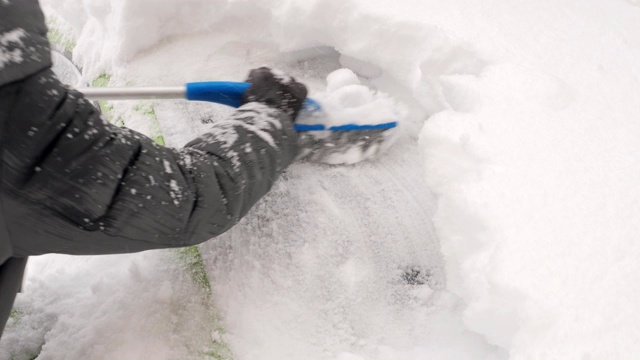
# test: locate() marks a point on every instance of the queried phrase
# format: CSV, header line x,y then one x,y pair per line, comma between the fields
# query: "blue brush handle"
x,y
221,92
230,93
226,93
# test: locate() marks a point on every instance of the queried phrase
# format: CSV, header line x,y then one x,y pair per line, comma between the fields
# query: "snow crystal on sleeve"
x,y
10,43
282,76
167,166
175,192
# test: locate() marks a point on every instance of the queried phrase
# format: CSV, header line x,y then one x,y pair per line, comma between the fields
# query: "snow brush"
x,y
340,144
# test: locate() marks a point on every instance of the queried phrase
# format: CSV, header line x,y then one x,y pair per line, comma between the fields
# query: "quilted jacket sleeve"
x,y
80,185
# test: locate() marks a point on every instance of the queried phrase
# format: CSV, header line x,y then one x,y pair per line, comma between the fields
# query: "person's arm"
x,y
61,156
73,183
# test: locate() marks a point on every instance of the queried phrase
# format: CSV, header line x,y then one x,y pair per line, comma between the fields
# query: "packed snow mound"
x,y
340,78
534,167
347,101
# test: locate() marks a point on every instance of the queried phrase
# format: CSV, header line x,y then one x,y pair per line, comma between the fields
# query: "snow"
x,y
511,191
347,101
341,78
130,309
8,43
167,166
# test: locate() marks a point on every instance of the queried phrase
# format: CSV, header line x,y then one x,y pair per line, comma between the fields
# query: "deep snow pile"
x,y
530,149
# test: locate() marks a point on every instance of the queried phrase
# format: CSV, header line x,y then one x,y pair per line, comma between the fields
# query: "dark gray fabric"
x,y
95,188
5,247
24,48
11,272
72,183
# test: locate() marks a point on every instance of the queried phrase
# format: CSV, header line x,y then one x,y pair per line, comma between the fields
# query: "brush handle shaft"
x,y
221,92
132,93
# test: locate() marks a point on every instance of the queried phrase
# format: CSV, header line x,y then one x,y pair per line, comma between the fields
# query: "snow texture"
x,y
502,224
10,51
347,101
107,307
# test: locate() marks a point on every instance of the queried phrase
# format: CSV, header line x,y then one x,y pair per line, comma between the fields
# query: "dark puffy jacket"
x,y
72,183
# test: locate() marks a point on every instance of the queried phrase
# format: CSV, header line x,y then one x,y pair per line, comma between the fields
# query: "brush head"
x,y
344,147
356,123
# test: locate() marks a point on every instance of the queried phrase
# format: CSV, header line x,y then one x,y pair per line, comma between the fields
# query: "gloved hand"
x,y
275,89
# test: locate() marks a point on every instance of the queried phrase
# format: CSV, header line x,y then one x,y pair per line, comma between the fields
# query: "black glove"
x,y
277,90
